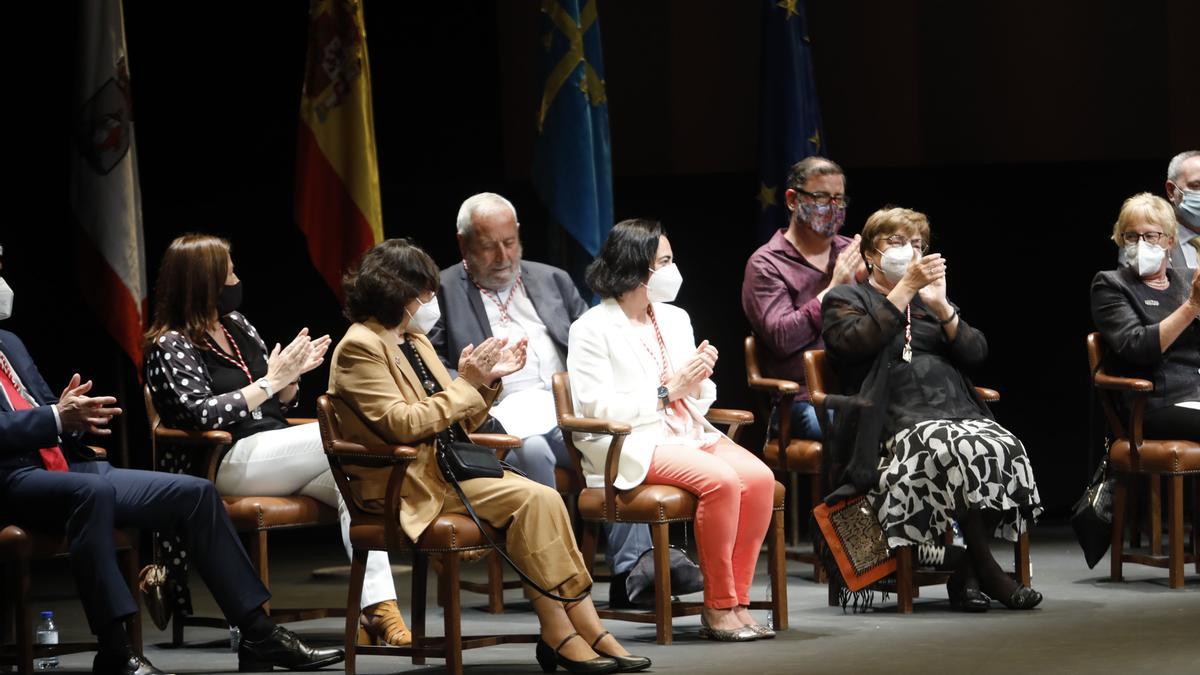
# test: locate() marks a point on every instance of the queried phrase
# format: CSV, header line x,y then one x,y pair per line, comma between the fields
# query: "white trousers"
x,y
292,461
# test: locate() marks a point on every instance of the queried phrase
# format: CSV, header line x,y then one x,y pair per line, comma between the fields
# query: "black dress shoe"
x,y
550,658
125,662
284,649
966,597
1022,598
625,664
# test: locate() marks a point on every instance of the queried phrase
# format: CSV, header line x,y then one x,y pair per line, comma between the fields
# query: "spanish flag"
x,y
337,178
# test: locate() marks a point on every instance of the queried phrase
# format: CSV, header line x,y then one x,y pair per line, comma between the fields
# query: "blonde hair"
x,y
1152,209
888,221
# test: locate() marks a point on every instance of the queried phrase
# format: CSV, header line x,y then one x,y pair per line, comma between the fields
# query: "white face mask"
x,y
425,317
1145,259
1189,207
6,300
664,284
894,262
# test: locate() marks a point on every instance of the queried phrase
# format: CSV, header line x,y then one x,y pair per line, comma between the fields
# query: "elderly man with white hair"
x,y
1183,191
492,292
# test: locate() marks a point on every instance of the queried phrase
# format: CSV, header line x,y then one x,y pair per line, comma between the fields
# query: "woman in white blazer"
x,y
634,359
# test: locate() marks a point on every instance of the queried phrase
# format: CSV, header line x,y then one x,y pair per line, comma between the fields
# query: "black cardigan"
x,y
1127,312
864,337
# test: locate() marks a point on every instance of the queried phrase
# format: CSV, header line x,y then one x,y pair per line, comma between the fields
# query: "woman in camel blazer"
x,y
634,359
389,386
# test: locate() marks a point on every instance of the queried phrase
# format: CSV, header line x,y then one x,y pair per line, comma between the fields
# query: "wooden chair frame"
x,y
777,396
342,454
665,610
822,381
1109,388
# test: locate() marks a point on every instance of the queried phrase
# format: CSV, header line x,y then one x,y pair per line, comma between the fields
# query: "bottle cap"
x,y
47,615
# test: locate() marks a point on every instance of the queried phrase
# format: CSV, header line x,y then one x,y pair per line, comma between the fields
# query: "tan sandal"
x,y
383,623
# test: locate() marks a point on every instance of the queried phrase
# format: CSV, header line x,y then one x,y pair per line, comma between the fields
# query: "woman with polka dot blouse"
x,y
208,368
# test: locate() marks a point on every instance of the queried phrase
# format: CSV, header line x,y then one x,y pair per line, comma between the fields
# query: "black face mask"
x,y
229,299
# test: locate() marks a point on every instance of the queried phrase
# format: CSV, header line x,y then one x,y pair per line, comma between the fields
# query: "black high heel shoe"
x,y
965,597
625,664
1022,598
549,659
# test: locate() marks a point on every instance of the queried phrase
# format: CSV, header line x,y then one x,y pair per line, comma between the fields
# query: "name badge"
x,y
1152,303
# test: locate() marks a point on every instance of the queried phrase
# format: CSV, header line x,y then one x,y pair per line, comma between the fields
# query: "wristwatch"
x,y
664,395
266,386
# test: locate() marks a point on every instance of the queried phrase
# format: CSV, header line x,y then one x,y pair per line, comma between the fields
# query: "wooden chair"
x,y
254,518
445,539
822,381
1131,455
658,506
19,549
801,457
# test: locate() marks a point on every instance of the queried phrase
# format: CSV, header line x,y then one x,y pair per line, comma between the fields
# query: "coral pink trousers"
x,y
736,491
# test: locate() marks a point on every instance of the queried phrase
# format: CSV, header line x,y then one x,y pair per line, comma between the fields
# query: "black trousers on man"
x,y
94,497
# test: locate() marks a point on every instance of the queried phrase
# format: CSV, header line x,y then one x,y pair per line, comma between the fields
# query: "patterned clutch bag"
x,y
855,541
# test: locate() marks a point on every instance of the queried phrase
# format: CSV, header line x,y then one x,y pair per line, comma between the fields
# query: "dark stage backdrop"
x,y
1018,127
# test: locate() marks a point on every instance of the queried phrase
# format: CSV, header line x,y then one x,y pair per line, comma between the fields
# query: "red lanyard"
x,y
495,297
240,362
662,349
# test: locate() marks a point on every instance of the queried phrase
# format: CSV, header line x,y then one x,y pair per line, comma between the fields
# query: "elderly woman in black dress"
x,y
926,450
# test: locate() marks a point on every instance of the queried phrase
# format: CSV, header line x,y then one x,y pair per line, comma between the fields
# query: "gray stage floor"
x,y
1085,625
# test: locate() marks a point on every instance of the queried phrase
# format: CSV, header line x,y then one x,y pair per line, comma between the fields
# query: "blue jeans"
x,y
537,458
804,421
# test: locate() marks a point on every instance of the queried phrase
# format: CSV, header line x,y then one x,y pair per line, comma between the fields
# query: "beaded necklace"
x,y
240,362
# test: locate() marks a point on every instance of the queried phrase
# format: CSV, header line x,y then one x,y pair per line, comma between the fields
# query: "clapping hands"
x,y
491,360
82,414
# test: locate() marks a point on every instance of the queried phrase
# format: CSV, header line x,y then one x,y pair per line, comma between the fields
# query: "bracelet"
x,y
953,313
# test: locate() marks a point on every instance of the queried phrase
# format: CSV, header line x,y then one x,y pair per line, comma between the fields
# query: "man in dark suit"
x,y
50,480
493,293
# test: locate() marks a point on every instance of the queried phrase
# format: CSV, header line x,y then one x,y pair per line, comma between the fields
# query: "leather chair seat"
x,y
260,513
1156,457
642,504
17,542
803,456
449,531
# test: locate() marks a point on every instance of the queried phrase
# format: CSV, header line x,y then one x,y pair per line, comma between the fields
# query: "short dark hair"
x,y
812,166
391,274
626,257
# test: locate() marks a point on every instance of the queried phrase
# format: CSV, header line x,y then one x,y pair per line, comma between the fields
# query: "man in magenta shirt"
x,y
787,278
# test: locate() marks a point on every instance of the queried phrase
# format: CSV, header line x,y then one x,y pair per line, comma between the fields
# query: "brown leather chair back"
x,y
753,358
822,381
564,407
1108,398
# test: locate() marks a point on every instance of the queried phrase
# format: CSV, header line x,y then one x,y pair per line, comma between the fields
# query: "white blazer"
x,y
613,377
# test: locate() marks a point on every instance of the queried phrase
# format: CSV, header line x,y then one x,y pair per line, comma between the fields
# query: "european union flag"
x,y
790,127
572,166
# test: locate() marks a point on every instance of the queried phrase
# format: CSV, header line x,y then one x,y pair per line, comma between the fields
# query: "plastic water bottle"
x,y
235,638
47,634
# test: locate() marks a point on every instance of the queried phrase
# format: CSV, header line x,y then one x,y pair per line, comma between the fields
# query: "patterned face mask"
x,y
824,219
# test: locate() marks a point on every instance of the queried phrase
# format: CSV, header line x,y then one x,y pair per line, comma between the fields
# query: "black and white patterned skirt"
x,y
939,468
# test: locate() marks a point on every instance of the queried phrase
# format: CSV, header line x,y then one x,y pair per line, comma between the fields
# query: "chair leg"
x,y
24,616
1175,521
1116,552
818,488
177,620
256,547
1021,555
358,570
904,580
777,569
659,533
1196,524
495,583
420,580
452,615
792,498
1155,507
129,562
1133,514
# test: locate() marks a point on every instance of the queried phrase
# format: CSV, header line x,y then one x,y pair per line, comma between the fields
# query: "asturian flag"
x,y
105,196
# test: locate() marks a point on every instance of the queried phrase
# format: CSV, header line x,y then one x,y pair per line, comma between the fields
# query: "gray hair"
x,y
1175,168
484,201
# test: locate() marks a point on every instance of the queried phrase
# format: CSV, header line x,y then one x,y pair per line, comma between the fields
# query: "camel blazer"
x,y
379,399
614,377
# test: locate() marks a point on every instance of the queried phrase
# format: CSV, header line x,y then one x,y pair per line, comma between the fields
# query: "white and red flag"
x,y
105,196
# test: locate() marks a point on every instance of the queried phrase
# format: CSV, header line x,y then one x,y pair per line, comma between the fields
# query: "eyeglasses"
x,y
824,198
899,240
1148,237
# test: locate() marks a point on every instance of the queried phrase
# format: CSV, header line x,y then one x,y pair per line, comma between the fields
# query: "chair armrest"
x,y
397,453
729,416
211,437
99,452
496,441
774,386
989,395
297,421
593,425
1104,381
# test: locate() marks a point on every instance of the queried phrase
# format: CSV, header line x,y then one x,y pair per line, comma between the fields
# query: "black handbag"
x,y
1091,516
461,460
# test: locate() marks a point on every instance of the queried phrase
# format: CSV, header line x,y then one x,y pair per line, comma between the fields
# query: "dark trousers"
x,y
1172,422
94,497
